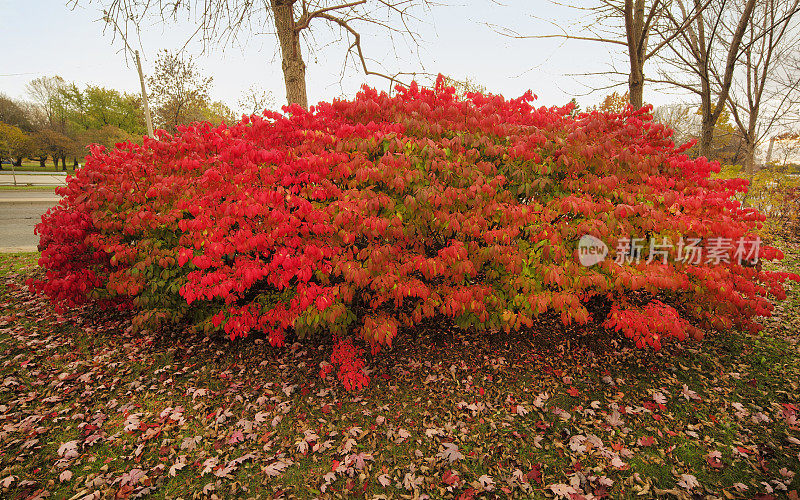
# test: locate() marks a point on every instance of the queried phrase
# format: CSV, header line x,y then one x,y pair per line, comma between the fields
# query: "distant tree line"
x,y
729,144
60,119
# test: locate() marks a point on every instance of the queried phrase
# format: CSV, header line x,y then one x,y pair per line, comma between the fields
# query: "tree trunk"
x,y
64,163
42,161
637,44
636,89
707,136
750,160
55,162
749,168
294,69
18,161
769,151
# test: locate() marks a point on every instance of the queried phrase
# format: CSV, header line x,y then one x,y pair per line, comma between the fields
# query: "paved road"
x,y
20,211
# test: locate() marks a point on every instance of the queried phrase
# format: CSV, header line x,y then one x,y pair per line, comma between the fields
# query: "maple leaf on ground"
x,y
68,450
242,459
562,490
348,445
190,443
450,452
646,441
8,481
535,474
614,419
132,477
276,468
688,481
486,482
180,464
132,422
688,393
540,399
236,436
91,440
359,459
714,459
302,447
449,477
209,465
576,442
199,393
617,462
659,398
384,480
65,476
411,482
434,431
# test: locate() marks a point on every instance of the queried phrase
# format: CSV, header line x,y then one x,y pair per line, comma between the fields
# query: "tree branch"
x,y
507,32
357,46
305,19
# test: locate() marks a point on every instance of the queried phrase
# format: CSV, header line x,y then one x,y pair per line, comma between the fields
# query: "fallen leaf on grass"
x,y
562,490
450,452
486,482
688,481
68,450
714,459
276,468
646,441
688,393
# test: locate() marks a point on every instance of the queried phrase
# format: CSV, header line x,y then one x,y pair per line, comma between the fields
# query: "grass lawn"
x,y
27,188
89,409
31,166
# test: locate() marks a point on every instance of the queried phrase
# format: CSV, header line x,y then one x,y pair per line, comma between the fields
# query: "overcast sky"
x,y
46,37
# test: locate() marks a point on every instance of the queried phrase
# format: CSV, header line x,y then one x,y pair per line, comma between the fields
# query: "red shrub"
x,y
377,214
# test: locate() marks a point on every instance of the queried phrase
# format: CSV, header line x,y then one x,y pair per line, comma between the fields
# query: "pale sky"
x,y
45,37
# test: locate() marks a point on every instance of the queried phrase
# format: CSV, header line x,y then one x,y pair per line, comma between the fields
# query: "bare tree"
x,y
767,86
255,100
679,117
292,21
465,86
179,92
14,113
629,25
703,57
47,93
